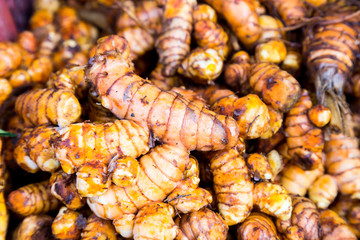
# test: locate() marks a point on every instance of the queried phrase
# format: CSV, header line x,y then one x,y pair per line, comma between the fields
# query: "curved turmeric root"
x,y
250,113
305,216
173,44
170,117
34,150
68,224
155,221
257,226
333,226
237,73
34,227
48,106
233,186
161,171
273,199
323,191
276,87
87,149
32,199
305,141
330,50
201,224
242,18
292,12
63,187
343,163
98,229
297,181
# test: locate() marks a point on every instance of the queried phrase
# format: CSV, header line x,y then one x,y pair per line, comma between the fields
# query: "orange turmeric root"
x,y
170,117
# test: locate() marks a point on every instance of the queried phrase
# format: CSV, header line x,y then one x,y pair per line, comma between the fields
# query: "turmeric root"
x,y
201,224
204,12
291,12
162,111
68,224
257,226
305,141
202,65
125,171
272,199
63,187
188,197
161,171
333,226
98,229
276,87
97,113
34,151
173,43
48,106
162,82
237,73
34,227
71,79
209,34
305,216
343,163
319,115
32,199
242,18
297,181
276,120
10,58
232,185
259,167
323,191
353,218
273,51
5,90
87,149
250,113
4,215
155,221
330,51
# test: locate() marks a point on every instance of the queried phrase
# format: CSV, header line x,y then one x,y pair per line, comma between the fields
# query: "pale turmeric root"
x,y
343,163
87,149
201,224
323,191
298,181
155,221
170,117
333,226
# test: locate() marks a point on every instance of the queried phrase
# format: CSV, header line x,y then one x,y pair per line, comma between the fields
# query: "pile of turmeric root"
x,y
182,119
